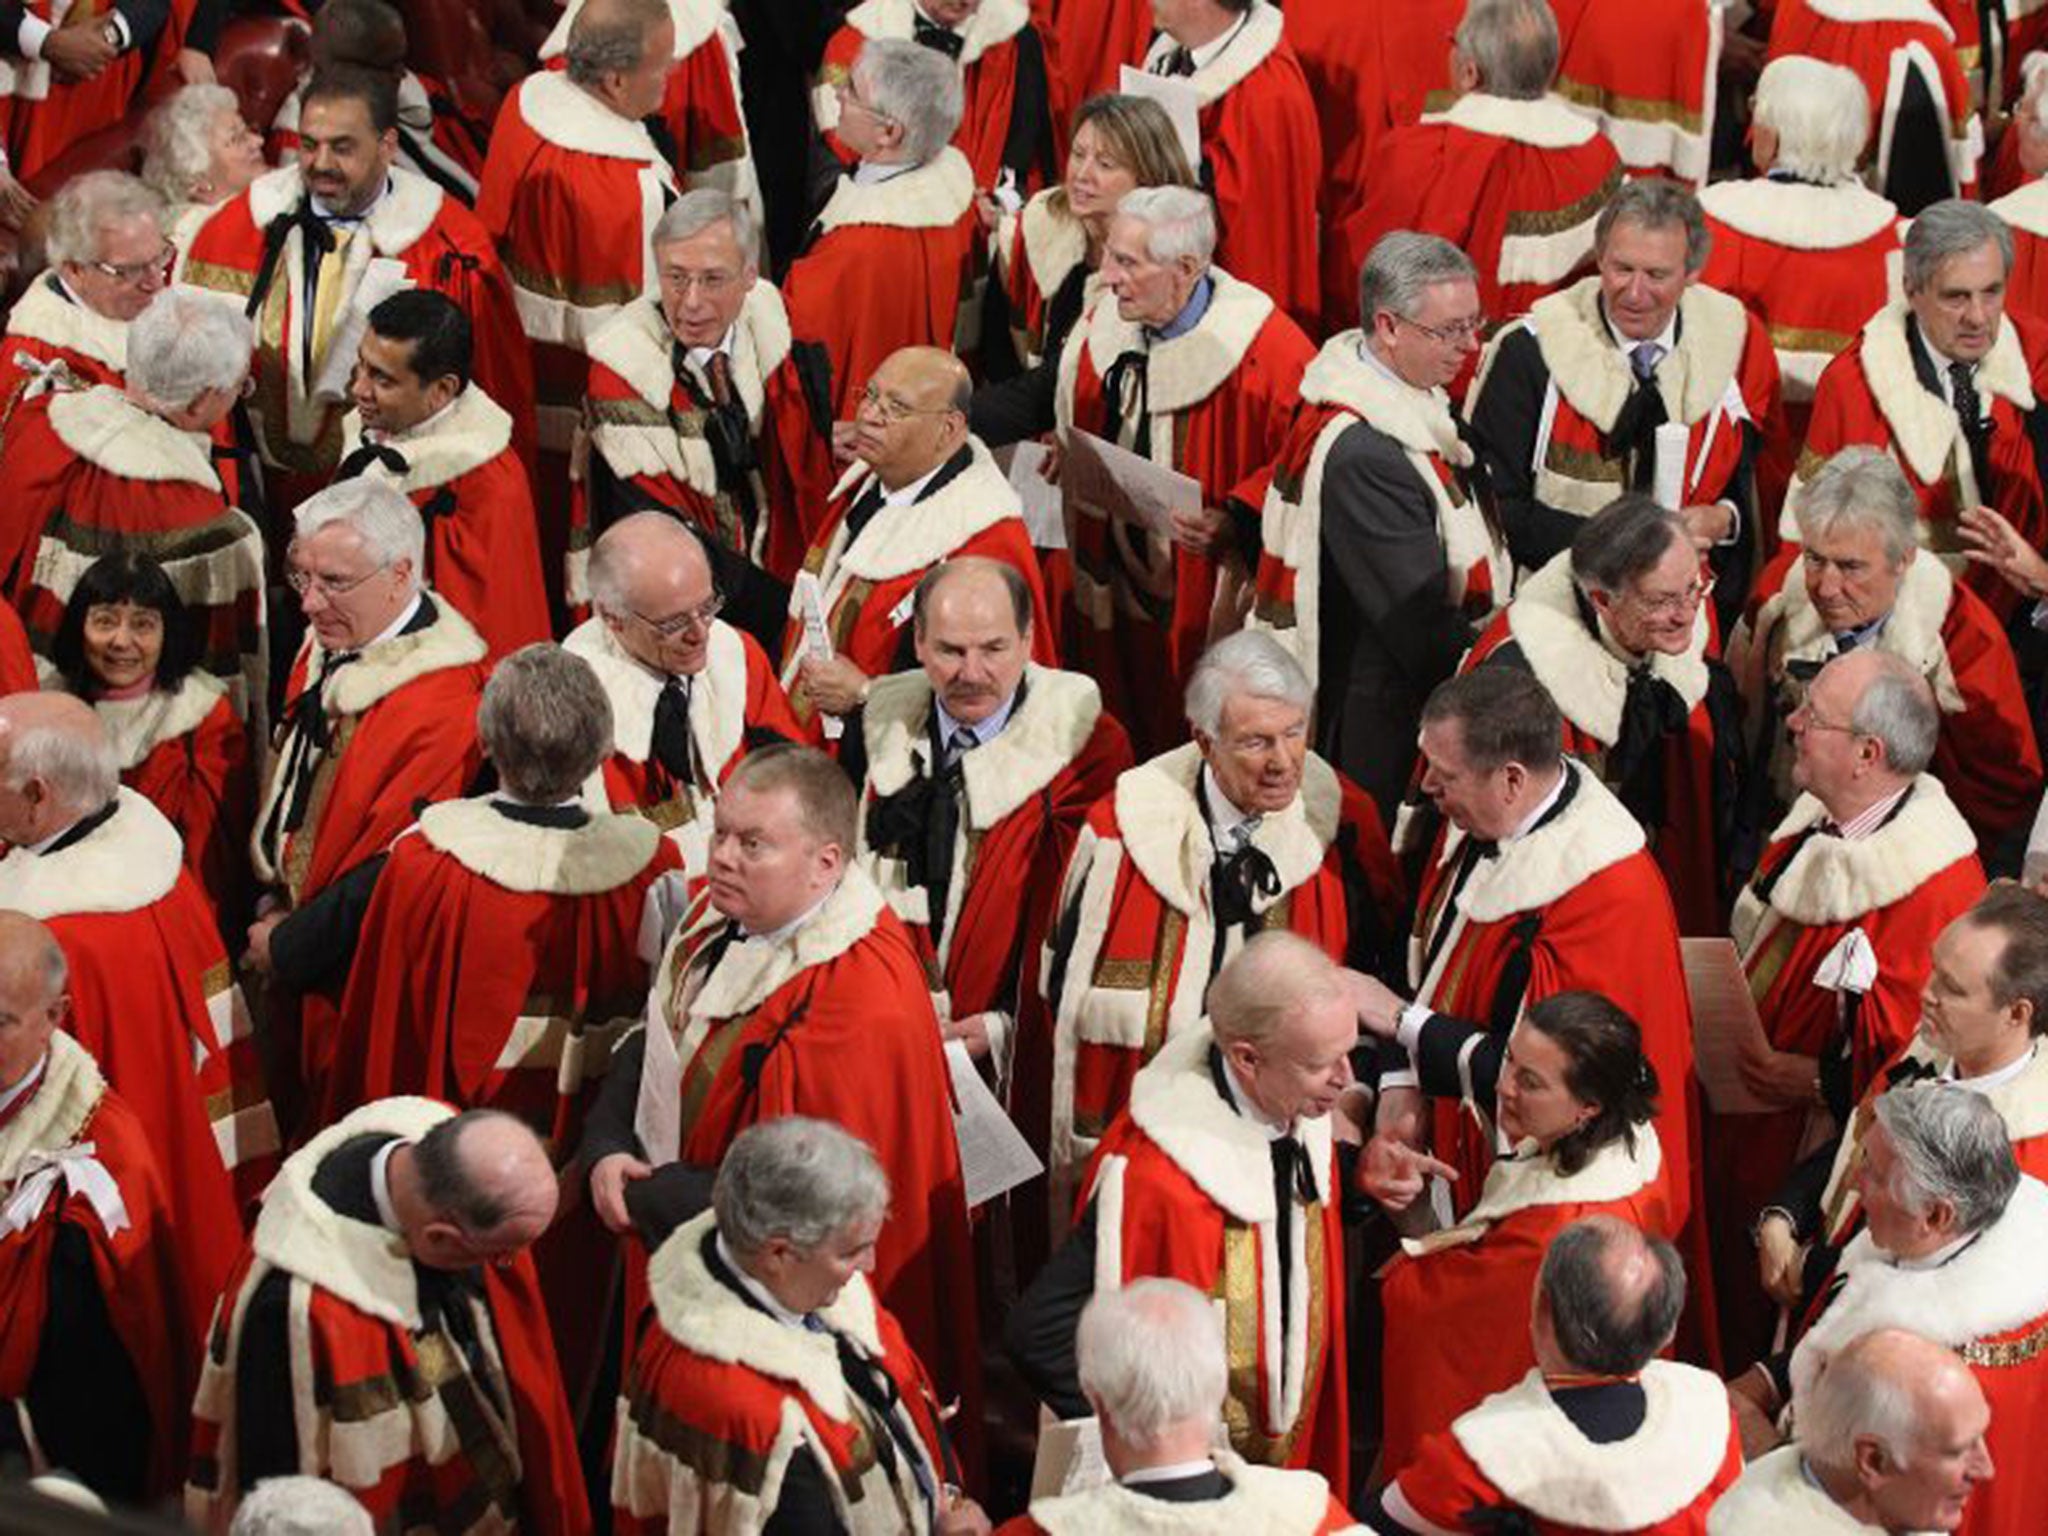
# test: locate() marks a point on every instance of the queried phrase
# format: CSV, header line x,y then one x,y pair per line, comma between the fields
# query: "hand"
x,y
1398,1115
1395,1174
1379,1007
1779,1260
971,1032
1201,532
1780,1077
1989,539
257,956
1351,1120
1708,524
1754,1401
961,1517
1049,466
16,201
988,211
194,67
843,433
608,1181
832,682
79,50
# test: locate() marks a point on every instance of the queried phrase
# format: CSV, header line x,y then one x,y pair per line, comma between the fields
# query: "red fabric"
x,y
39,131
2026,285
205,784
17,351
1642,65
1087,43
484,556
2017,1498
1262,153
17,661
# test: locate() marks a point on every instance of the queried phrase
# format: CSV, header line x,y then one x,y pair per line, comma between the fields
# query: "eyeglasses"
x,y
844,91
892,409
1809,721
303,582
699,617
1675,602
710,284
132,272
1456,334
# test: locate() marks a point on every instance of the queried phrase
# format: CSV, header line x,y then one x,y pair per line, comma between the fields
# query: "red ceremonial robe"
x,y
1217,401
48,114
1262,160
1182,1188
1516,185
384,1402
153,999
483,548
93,472
845,1003
1035,250
647,426
1541,918
886,269
1818,911
1546,630
72,1153
17,662
435,139
1260,1499
1871,394
1087,44
1986,756
721,1396
1137,931
866,582
1812,264
418,237
46,328
1989,1303
1645,72
2025,212
1518,1451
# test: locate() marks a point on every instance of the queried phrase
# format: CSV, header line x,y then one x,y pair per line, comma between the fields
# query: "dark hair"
x,y
1623,542
1604,1066
2021,973
1504,716
125,576
367,34
376,89
445,1182
1598,1329
440,333
1013,583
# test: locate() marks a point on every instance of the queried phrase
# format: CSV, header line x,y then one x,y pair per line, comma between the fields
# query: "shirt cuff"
x,y
30,36
1001,1032
1405,1077
1408,1027
121,28
1734,535
2039,617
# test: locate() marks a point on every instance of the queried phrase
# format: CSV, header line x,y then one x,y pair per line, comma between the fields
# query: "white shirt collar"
x,y
1167,1474
777,935
9,1097
1944,385
1164,44
985,732
506,797
867,174
699,358
755,1288
1542,808
380,1185
320,206
1666,338
904,495
1223,812
1939,1257
1251,1112
1998,1077
396,626
424,427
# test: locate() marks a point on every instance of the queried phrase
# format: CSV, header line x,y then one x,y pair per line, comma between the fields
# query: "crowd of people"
x,y
1409,632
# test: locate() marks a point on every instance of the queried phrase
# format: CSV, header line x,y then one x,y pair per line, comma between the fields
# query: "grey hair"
x,y
1855,1397
177,133
447,1182
915,88
1179,221
1861,487
1945,230
1513,44
610,571
1276,976
81,767
381,514
1820,113
1150,1357
1623,542
300,1506
1954,1147
798,1179
1654,203
611,39
697,210
187,342
1402,267
1597,1328
49,960
87,205
1898,709
1248,662
545,722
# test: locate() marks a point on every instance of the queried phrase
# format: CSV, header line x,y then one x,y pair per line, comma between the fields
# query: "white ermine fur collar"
x,y
638,346
1055,242
1590,834
389,665
599,856
123,865
474,432
1185,371
1167,837
1263,1501
2026,209
1244,53
1850,12
47,316
1588,681
995,21
396,220
360,1262
569,117
104,427
1911,632
718,694
1546,123
1174,1101
1797,216
1923,424
695,21
1522,1441
57,1111
899,540
137,727
1594,375
1775,1494
1419,420
933,196
748,974
1837,880
1530,1180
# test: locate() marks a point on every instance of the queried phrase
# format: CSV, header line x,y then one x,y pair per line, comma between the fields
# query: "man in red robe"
x,y
1863,582
97,1348
1646,72
1182,363
1222,1172
76,69
1192,853
1616,630
1872,862
705,406
922,490
1262,152
129,466
152,997
1508,172
383,1329
891,253
795,990
421,422
311,248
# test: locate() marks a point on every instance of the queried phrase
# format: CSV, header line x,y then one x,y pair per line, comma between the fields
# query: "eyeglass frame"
x,y
1676,602
1454,335
133,272
302,582
710,284
843,90
699,617
891,413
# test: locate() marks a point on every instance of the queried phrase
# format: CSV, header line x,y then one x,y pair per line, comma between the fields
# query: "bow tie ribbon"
x,y
372,453
929,34
1240,879
80,1170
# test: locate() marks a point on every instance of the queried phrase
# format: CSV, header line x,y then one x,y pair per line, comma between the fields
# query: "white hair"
x,y
300,1506
1861,487
1820,113
1179,221
697,210
87,205
81,767
381,514
1944,231
187,342
1151,1359
1855,1397
1250,662
1953,1147
798,1179
179,135
914,87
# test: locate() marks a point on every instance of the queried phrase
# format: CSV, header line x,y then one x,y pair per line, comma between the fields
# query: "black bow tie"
x,y
1178,62
1292,1170
672,746
1126,393
1239,878
372,453
1911,1070
930,34
1651,712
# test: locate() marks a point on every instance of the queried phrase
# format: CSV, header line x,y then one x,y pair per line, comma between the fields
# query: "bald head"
x,y
477,1187
1607,1298
648,575
56,765
971,622
913,417
32,998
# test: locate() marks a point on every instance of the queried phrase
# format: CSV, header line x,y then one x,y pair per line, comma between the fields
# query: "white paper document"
x,y
1044,512
1118,485
994,1156
1673,438
1069,1458
1725,1026
810,603
1183,104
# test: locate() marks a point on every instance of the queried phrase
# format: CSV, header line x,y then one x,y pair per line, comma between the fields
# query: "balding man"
x,y
384,1330
152,996
1186,364
690,694
1222,1172
1601,1433
924,490
1890,1439
101,1338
